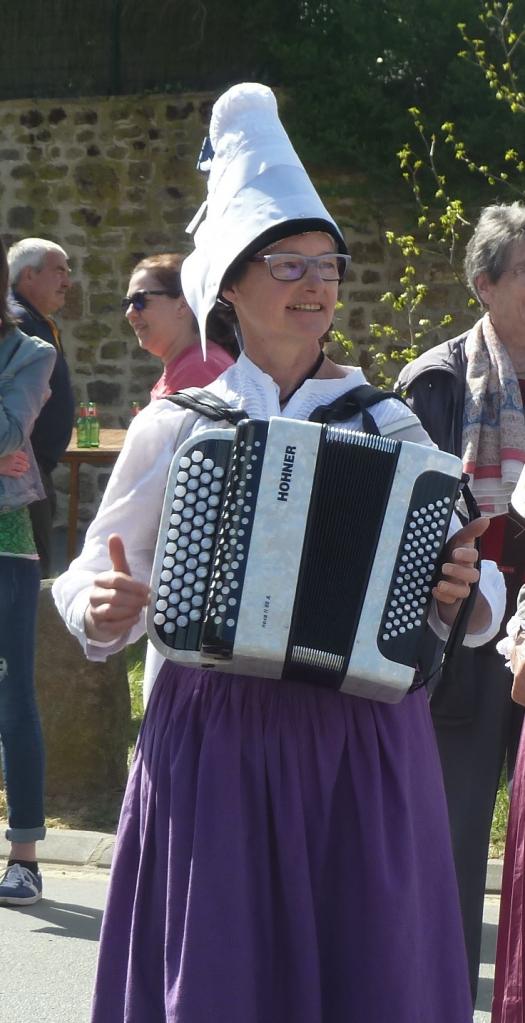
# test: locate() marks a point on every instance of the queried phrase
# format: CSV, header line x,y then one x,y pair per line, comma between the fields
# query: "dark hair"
x,y
166,266
6,319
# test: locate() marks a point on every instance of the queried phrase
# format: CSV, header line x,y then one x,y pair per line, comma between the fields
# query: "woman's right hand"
x,y
116,600
15,464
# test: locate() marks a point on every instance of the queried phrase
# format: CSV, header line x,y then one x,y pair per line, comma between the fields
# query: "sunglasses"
x,y
285,266
139,299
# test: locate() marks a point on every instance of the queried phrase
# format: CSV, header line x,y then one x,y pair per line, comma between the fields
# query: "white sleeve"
x,y
131,507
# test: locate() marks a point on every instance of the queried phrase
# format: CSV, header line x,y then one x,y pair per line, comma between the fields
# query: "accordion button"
x,y
185,462
191,564
197,456
207,464
195,616
182,621
165,576
182,477
218,472
159,619
169,628
161,605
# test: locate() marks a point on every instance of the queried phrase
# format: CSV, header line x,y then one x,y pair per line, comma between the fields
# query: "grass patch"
x,y
135,656
499,820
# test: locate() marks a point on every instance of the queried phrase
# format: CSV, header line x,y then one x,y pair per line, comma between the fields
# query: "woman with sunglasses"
x,y
165,326
283,852
25,368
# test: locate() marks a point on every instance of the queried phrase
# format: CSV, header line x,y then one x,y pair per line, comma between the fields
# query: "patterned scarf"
x,y
493,420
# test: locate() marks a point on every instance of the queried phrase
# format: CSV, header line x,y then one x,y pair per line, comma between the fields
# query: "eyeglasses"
x,y
288,266
516,271
139,299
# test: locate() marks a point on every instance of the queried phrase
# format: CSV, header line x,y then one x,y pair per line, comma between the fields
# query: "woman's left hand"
x,y
459,573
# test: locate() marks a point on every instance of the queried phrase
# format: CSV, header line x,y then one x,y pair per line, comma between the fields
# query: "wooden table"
x,y
111,442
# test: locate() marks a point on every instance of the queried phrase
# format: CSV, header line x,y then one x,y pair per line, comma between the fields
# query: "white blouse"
x,y
132,503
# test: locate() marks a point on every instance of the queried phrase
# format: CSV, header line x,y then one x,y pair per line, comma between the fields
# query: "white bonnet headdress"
x,y
258,192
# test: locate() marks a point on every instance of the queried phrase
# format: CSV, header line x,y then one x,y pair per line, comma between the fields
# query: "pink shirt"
x,y
190,370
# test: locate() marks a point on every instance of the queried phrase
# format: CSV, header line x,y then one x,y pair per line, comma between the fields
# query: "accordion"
x,y
298,551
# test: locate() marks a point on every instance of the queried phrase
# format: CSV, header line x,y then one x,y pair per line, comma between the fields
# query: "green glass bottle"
x,y
83,440
134,409
94,426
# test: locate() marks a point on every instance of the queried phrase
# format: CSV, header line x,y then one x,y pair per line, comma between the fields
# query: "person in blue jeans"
x,y
25,368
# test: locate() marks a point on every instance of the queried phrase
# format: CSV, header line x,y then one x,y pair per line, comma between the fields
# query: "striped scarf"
x,y
493,421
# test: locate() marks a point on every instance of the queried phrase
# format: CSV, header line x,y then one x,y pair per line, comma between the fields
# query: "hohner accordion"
x,y
301,551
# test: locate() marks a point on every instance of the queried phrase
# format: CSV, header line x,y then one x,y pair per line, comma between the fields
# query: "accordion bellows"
x,y
301,551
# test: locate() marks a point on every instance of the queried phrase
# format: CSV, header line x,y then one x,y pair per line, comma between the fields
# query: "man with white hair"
x,y
39,277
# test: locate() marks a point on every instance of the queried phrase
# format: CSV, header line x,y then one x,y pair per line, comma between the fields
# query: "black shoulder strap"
x,y
205,403
358,400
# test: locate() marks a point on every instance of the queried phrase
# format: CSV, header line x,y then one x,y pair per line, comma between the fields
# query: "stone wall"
x,y
113,179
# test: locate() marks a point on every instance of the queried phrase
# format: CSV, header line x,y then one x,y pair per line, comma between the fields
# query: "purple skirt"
x,y
283,857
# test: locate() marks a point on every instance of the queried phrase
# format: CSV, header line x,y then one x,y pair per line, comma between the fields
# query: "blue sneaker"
x,y
20,887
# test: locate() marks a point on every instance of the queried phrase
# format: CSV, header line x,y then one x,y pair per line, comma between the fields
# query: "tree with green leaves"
x,y
450,178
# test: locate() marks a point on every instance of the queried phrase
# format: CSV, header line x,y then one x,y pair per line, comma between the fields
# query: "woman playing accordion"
x,y
283,851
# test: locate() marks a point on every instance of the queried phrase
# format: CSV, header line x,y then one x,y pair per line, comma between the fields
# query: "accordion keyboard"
x,y
196,489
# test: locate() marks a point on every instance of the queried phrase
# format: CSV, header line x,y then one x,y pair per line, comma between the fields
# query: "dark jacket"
x,y
54,426
434,386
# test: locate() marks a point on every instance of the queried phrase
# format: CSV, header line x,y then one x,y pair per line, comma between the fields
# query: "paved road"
x,y
488,954
48,951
